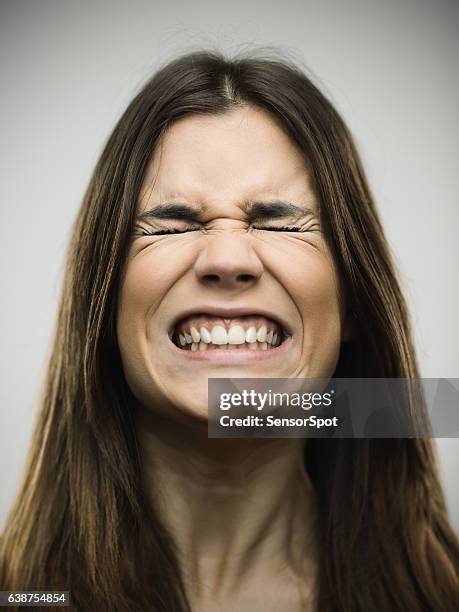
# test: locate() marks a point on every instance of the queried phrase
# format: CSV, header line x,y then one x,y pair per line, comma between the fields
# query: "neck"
x,y
236,508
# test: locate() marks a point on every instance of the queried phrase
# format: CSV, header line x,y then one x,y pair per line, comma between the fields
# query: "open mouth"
x,y
206,332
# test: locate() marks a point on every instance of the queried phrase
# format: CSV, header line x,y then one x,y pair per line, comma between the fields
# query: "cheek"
x,y
140,294
312,283
135,298
149,275
318,298
321,320
130,314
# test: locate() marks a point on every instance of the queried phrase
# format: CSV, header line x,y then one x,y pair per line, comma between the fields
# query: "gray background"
x,y
68,69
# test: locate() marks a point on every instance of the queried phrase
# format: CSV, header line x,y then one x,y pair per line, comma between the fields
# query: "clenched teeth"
x,y
258,335
203,346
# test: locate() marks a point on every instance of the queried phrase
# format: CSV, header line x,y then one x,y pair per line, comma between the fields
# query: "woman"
x,y
229,207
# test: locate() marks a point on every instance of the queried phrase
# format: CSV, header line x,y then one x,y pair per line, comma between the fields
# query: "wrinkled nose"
x,y
228,261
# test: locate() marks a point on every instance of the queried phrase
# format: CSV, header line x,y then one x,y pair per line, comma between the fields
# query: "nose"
x,y
228,261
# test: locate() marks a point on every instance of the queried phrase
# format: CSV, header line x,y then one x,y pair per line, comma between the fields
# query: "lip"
x,y
234,356
231,312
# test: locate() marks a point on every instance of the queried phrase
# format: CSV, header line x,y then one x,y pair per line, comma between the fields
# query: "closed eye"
x,y
290,228
275,228
143,232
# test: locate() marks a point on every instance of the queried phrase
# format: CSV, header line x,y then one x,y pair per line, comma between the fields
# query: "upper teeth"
x,y
236,334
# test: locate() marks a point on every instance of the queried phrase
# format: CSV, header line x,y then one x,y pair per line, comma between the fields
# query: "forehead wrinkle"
x,y
195,197
204,203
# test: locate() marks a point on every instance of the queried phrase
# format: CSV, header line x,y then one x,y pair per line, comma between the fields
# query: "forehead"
x,y
226,159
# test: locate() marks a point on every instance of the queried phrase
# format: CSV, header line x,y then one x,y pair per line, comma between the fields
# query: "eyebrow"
x,y
273,210
253,210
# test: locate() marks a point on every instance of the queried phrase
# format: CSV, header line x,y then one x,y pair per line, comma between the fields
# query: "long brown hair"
x,y
81,521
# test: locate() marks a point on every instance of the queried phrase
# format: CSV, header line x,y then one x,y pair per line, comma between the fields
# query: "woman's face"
x,y
227,292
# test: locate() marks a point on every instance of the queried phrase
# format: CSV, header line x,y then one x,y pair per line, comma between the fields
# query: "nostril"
x,y
213,278
245,277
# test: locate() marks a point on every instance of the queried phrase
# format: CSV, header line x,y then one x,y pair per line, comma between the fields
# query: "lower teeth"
x,y
257,346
